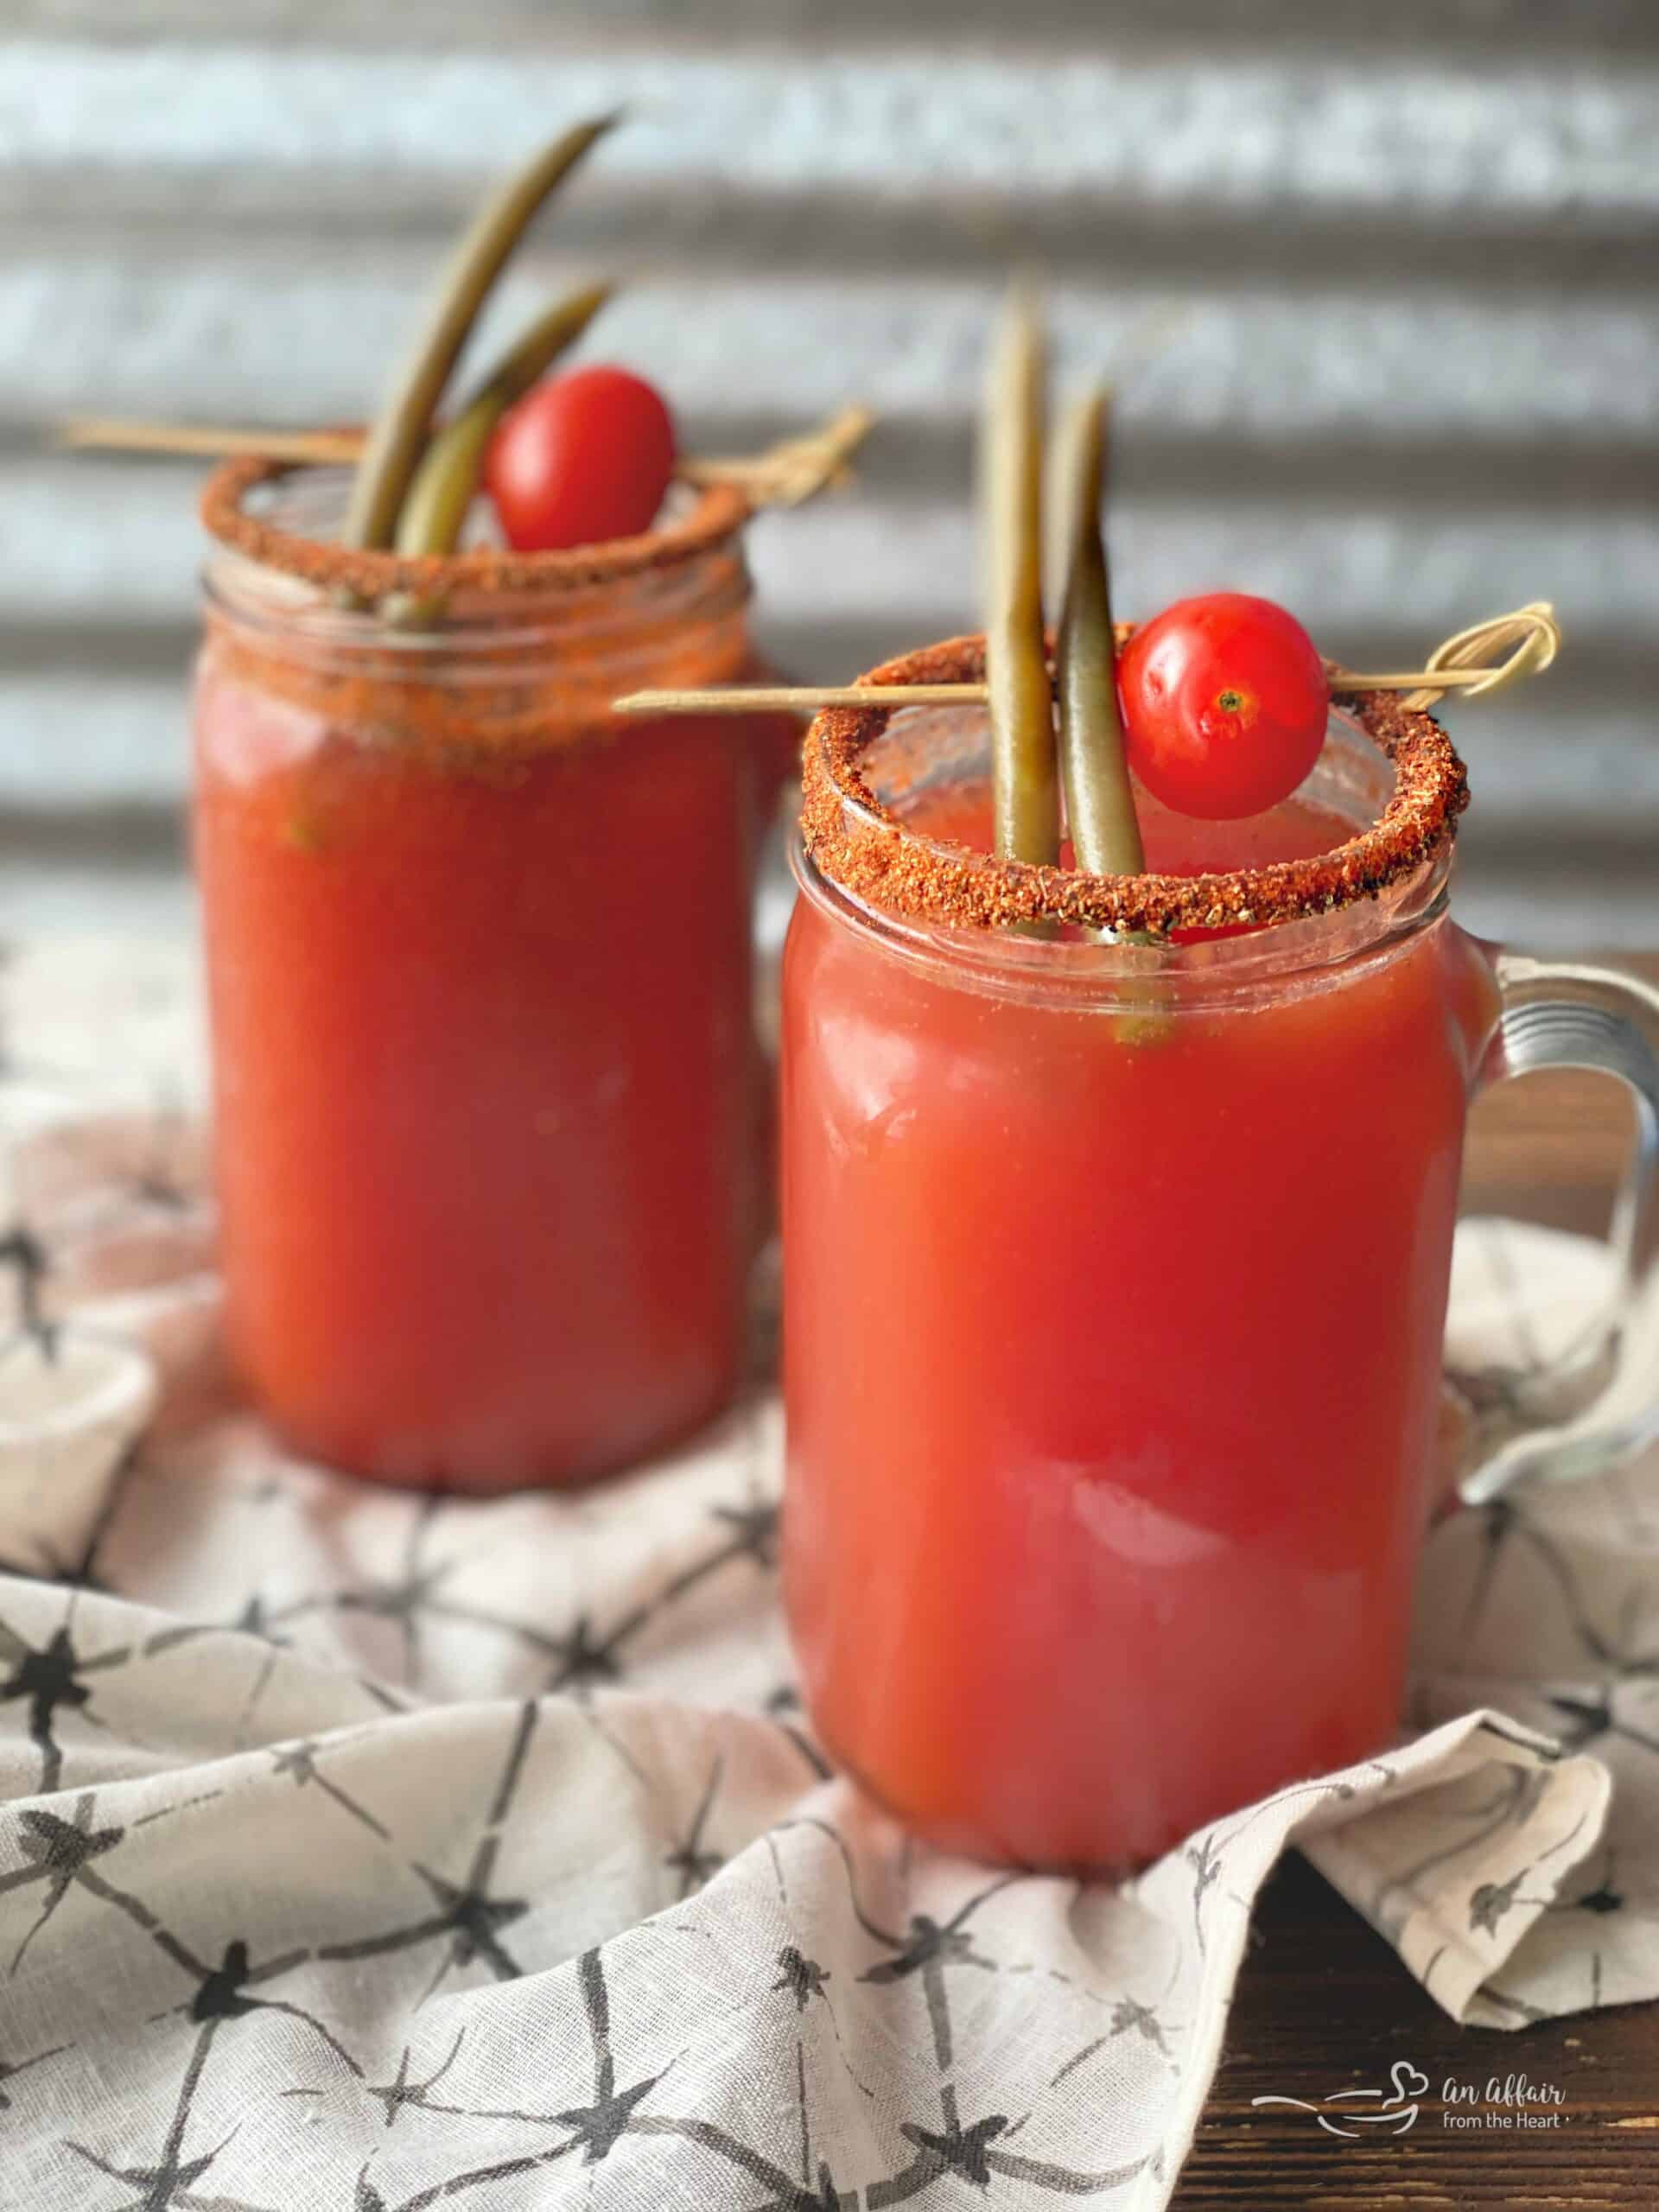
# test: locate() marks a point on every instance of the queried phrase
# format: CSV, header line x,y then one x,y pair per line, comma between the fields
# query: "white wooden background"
x,y
1412,378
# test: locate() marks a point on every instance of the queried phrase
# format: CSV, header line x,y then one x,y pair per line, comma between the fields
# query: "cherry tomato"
x,y
1224,702
581,457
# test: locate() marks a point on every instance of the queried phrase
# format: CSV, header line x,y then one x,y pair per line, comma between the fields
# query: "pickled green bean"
x,y
442,490
1099,798
1025,781
400,432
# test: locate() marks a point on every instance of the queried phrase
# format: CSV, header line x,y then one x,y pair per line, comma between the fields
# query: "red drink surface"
x,y
1113,1359
485,1085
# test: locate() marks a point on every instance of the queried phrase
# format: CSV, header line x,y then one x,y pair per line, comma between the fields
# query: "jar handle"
x,y
1600,1398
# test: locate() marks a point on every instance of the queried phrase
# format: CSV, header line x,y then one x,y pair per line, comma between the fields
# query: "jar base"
x,y
412,1464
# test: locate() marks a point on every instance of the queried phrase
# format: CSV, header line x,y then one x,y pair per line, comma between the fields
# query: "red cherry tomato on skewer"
x,y
581,458
1224,702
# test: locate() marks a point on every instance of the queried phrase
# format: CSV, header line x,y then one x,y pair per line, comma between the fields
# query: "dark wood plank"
x,y
1324,2004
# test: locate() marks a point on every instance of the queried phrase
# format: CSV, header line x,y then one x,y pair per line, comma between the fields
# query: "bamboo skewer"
x,y
1532,630
799,698
793,470
208,441
783,475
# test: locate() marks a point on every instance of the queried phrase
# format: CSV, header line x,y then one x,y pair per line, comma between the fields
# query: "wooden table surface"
x,y
1323,2003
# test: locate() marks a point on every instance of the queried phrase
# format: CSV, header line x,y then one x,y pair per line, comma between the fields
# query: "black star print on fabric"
x,y
222,1991
1203,1859
972,2154
153,1181
1617,1655
927,1949
47,1564
476,1915
403,1599
956,2148
594,2128
405,2094
826,2197
467,1915
928,1944
1602,1899
802,1977
11,2067
690,1861
754,1532
787,2193
49,1681
780,1706
23,1253
171,2181
598,2127
399,1600
256,1619
299,1761
1491,1900
415,2095
975,2153
1587,1718
369,2199
1583,1718
59,1853
1127,2013
582,1658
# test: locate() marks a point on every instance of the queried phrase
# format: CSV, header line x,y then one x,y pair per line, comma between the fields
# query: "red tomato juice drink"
x,y
1115,1284
479,963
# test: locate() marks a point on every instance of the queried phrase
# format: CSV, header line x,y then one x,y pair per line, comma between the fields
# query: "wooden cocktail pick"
x,y
1474,662
783,475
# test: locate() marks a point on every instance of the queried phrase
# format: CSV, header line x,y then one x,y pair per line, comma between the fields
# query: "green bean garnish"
x,y
1099,800
395,441
1023,767
436,503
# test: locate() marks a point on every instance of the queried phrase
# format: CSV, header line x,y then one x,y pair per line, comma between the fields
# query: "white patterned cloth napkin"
x,y
366,1851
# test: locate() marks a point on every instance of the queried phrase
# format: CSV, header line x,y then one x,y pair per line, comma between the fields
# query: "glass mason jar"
x,y
486,1095
1116,1278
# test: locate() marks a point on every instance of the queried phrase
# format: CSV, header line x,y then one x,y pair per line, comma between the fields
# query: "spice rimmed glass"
x,y
486,1093
1114,1285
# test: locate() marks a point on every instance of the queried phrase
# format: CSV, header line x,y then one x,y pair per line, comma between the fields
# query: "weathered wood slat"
x,y
1613,27
1436,134
118,540
96,330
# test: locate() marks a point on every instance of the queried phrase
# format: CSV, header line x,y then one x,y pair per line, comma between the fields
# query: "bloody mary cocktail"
x,y
479,959
1114,1285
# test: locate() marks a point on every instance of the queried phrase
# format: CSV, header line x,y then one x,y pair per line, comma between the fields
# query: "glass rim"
x,y
714,514
471,634
1317,952
859,843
